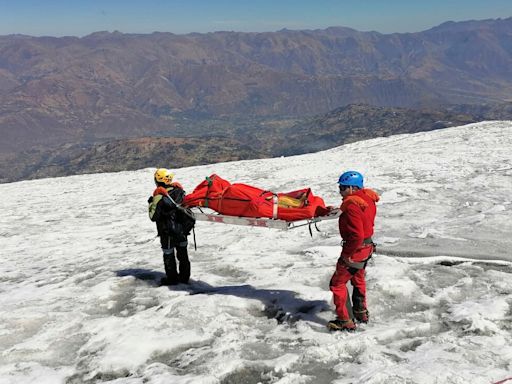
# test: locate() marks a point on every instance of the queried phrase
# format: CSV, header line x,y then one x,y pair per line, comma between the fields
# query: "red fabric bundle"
x,y
248,201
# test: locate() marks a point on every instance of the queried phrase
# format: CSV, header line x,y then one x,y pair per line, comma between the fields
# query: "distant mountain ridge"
x,y
343,125
114,85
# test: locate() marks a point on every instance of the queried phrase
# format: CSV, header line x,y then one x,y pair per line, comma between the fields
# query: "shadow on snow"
x,y
282,305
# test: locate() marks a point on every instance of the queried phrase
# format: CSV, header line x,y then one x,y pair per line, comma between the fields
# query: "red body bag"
x,y
248,201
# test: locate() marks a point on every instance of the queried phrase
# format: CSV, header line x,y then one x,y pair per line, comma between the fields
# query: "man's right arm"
x,y
354,235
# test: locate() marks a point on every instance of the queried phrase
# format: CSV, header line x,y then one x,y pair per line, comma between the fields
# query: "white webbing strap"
x,y
274,206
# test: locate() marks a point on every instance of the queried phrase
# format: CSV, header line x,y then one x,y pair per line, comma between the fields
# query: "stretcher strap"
x,y
210,182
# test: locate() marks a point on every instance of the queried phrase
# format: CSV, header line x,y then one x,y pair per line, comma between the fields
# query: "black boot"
x,y
341,325
360,312
362,315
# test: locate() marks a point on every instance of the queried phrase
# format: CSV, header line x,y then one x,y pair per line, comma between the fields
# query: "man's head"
x,y
163,177
350,181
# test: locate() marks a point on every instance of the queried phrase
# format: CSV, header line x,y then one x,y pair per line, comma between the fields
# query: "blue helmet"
x,y
351,178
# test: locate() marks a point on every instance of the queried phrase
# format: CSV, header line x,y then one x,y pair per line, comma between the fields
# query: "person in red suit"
x,y
356,223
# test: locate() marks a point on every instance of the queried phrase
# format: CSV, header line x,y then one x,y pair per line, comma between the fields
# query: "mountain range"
x,y
114,85
112,101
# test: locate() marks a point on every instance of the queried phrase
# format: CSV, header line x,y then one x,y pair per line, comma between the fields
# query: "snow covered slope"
x,y
80,300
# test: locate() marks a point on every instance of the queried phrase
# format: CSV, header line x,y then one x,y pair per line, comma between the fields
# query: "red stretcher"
x,y
242,204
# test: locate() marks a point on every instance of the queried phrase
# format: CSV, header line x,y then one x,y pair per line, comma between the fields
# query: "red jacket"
x,y
356,222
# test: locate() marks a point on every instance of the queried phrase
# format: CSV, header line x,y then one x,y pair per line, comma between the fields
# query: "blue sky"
x,y
79,18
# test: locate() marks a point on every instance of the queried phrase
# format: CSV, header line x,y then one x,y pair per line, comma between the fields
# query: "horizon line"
x,y
116,31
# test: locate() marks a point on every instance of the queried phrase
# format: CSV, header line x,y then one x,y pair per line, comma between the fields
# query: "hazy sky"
x,y
79,18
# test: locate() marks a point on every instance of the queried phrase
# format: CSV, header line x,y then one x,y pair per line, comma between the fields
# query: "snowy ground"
x,y
80,269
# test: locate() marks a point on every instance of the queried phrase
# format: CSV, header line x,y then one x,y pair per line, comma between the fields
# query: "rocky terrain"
x,y
264,138
359,122
120,155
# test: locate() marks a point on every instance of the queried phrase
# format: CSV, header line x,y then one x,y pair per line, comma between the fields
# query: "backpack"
x,y
187,220
153,202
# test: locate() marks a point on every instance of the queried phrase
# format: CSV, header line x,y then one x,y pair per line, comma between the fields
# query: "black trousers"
x,y
176,272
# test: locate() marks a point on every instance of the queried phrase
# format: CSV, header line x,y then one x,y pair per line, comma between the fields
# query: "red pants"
x,y
338,286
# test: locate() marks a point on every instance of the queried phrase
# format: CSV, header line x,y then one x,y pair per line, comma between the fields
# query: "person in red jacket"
x,y
356,223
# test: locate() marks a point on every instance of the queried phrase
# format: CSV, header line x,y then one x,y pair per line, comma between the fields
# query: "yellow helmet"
x,y
163,175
